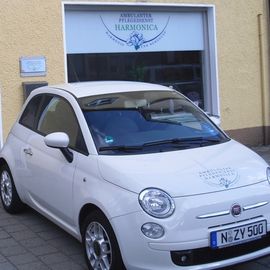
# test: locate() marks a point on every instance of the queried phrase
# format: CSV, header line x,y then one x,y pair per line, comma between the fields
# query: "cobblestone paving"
x,y
29,241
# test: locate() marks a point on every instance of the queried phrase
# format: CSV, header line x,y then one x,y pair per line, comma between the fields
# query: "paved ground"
x,y
30,242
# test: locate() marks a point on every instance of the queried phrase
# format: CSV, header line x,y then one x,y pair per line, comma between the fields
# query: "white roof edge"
x,y
82,89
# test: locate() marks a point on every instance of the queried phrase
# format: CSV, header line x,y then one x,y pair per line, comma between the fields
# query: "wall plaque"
x,y
33,66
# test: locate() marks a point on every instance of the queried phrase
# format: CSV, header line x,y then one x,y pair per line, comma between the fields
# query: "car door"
x,y
50,181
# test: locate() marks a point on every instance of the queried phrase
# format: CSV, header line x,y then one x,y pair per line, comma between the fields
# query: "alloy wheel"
x,y
6,188
98,247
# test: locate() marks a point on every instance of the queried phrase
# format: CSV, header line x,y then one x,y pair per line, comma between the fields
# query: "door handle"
x,y
28,151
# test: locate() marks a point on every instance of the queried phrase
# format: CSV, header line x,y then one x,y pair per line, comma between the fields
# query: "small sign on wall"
x,y
33,66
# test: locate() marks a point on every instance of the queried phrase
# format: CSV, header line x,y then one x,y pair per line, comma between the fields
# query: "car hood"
x,y
186,172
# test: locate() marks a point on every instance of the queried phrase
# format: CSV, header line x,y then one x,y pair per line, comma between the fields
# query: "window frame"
x,y
39,113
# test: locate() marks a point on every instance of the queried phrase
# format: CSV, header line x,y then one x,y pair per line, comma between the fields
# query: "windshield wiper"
x,y
193,140
177,141
123,148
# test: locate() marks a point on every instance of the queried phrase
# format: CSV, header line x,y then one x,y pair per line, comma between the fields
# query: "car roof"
x,y
83,89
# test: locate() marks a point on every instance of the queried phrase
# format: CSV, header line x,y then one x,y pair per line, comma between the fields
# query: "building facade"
x,y
215,52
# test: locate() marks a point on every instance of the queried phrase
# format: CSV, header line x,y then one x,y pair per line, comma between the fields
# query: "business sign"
x,y
131,31
136,29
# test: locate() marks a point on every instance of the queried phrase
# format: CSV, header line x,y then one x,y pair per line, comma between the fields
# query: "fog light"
x,y
152,230
183,258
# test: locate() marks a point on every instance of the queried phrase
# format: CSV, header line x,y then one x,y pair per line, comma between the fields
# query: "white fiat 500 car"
x,y
140,175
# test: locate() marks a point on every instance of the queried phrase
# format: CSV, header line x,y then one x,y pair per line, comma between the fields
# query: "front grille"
x,y
208,255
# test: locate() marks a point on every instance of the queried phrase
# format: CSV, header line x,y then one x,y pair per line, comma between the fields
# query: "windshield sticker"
x,y
209,129
220,177
109,139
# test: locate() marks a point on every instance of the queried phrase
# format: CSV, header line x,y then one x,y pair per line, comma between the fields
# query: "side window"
x,y
58,116
30,113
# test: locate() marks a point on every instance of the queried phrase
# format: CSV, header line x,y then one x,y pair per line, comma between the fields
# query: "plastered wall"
x,y
28,28
34,27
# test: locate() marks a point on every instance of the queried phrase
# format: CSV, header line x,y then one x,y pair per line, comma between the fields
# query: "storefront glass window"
x,y
180,69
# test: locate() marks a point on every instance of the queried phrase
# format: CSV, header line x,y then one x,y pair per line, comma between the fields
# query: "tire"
x,y
8,193
100,246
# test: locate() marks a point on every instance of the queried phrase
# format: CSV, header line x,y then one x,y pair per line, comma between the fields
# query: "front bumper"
x,y
184,232
208,255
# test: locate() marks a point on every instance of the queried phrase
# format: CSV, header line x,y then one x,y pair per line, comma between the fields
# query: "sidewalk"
x,y
30,242
263,151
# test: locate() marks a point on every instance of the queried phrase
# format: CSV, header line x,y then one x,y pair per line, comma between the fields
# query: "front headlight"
x,y
156,203
268,174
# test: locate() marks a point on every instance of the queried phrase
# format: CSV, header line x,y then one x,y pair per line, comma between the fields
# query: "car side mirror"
x,y
59,140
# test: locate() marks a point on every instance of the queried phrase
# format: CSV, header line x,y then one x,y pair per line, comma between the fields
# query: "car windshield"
x,y
147,122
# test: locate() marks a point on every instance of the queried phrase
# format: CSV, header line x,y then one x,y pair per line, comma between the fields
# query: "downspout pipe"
x,y
264,89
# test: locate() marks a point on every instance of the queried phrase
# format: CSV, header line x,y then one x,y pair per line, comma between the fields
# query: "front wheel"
x,y
9,196
100,245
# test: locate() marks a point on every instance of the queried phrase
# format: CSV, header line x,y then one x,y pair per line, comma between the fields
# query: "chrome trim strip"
x,y
217,214
253,206
224,213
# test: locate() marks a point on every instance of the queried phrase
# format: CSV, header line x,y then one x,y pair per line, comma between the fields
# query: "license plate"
x,y
237,235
